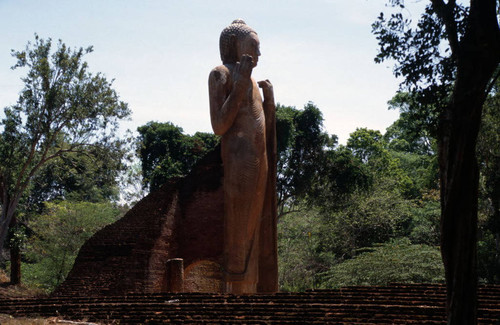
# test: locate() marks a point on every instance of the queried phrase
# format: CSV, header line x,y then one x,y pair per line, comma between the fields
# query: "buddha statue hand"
x,y
243,72
267,90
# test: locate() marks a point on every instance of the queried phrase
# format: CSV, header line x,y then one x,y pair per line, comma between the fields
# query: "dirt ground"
x,y
9,320
9,291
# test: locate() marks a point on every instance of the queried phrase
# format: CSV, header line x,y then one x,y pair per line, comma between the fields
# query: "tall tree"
x,y
415,130
165,151
449,59
62,110
312,170
302,146
90,176
366,144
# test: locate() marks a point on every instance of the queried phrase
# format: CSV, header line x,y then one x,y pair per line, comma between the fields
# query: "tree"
x,y
366,144
308,167
60,232
367,217
165,151
298,240
302,146
63,110
394,261
448,60
415,130
412,140
383,158
90,176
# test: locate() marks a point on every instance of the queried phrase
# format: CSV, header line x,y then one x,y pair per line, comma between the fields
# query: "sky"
x,y
160,52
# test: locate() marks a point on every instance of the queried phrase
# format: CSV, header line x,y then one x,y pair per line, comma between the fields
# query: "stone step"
x,y
395,304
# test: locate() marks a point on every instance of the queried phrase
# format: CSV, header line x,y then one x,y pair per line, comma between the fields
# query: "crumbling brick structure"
x,y
183,219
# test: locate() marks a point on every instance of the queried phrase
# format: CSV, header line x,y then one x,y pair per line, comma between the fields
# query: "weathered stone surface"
x,y
203,276
175,275
183,219
247,126
394,304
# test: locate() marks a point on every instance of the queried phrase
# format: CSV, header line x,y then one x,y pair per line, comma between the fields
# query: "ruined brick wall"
x,y
183,219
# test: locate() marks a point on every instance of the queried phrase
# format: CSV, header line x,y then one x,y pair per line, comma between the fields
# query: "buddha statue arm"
x,y
268,104
223,107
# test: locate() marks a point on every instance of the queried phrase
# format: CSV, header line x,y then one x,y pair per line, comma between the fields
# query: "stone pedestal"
x,y
175,275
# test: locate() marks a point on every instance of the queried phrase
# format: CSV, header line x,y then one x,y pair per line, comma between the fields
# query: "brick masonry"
x,y
183,219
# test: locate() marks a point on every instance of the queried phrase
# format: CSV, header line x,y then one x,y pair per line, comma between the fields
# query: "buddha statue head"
x,y
238,39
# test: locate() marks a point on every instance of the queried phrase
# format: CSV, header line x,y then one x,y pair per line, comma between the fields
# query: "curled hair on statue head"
x,y
228,39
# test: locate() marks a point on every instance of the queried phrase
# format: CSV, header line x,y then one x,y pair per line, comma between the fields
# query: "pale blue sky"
x,y
160,53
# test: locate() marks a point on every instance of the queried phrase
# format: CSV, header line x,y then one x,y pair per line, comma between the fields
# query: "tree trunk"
x,y
495,227
477,57
9,206
459,229
15,265
4,230
15,259
459,174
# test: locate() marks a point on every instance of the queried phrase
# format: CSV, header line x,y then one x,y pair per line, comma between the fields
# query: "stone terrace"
x,y
394,304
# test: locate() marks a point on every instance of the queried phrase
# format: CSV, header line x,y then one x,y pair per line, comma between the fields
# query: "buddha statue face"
x,y
238,39
250,45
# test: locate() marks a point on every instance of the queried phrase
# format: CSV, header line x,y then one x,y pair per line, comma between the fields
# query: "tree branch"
x,y
44,160
485,20
28,161
493,82
22,182
445,12
282,214
2,190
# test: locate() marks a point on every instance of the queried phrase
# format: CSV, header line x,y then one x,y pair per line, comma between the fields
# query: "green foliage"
x,y
166,152
423,57
418,172
488,149
341,175
91,176
302,144
371,148
367,218
63,112
18,235
366,144
367,192
299,236
415,130
413,172
424,226
488,152
60,232
488,257
310,169
395,261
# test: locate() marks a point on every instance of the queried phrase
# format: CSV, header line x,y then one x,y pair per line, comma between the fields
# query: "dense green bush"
x,y
395,261
60,232
298,239
367,218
